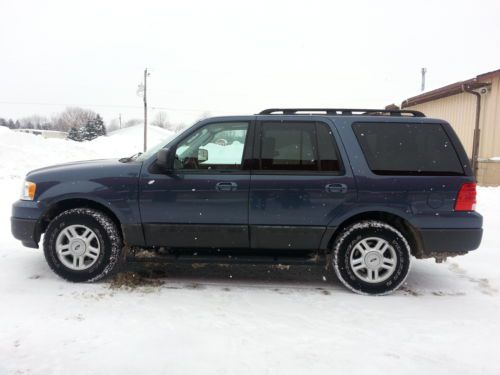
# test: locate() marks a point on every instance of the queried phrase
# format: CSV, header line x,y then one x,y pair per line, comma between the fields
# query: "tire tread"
x,y
110,229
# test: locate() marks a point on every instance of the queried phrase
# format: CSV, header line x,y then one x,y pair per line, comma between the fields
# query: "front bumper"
x,y
451,240
25,222
25,230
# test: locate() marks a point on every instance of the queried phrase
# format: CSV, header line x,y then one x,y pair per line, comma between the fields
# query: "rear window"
x,y
408,149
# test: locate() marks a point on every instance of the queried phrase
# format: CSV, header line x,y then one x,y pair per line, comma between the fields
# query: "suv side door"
x,y
301,179
201,204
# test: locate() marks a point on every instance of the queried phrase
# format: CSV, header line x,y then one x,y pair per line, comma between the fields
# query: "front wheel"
x,y
82,244
371,257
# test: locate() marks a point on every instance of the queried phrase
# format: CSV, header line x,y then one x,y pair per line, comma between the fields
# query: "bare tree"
x,y
161,120
35,122
73,117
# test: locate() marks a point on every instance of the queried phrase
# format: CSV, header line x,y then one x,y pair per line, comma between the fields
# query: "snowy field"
x,y
237,320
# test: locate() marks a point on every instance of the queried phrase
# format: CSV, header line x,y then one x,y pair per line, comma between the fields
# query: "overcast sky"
x,y
236,57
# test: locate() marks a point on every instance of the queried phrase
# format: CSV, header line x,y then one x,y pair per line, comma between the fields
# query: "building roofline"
x,y
449,90
492,74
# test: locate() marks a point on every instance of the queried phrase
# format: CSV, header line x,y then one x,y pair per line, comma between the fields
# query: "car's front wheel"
x,y
371,257
82,244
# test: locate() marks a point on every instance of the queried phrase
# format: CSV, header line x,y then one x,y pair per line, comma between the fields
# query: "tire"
x,y
371,258
87,235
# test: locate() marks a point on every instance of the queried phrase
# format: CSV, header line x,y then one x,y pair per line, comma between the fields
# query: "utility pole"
x,y
424,70
145,110
120,119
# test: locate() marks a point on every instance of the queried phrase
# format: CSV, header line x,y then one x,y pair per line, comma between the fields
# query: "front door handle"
x,y
336,188
226,186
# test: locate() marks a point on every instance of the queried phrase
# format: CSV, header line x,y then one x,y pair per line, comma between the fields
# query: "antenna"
x,y
424,70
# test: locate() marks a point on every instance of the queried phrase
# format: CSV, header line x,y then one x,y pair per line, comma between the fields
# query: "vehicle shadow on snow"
x,y
156,276
198,276
424,279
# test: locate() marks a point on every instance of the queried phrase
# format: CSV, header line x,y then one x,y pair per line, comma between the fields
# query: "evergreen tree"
x,y
89,132
92,129
74,134
3,122
99,126
81,133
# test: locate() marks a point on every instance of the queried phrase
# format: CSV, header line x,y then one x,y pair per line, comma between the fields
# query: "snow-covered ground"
x,y
237,320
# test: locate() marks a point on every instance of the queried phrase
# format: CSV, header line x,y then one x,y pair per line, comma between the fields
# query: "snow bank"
x,y
22,152
128,141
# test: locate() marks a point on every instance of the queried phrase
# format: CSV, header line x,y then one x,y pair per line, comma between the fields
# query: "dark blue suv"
x,y
357,190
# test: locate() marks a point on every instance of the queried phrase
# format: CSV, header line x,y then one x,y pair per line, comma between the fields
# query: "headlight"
x,y
29,189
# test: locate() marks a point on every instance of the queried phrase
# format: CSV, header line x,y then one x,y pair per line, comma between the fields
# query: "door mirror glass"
x,y
202,155
164,159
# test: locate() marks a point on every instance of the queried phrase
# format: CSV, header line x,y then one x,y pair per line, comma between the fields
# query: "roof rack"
x,y
341,112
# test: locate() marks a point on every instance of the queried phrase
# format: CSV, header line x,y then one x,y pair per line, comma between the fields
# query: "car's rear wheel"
x,y
82,244
371,257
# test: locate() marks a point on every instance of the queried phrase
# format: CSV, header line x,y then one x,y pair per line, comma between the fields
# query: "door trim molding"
x,y
286,237
197,235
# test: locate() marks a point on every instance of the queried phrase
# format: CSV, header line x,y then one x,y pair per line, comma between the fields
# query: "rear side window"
x,y
298,146
408,149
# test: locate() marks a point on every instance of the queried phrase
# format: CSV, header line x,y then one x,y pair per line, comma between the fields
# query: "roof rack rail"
x,y
341,112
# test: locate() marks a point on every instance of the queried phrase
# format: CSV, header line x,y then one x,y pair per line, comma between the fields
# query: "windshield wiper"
x,y
130,158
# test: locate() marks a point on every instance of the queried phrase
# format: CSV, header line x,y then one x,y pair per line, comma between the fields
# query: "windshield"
x,y
153,150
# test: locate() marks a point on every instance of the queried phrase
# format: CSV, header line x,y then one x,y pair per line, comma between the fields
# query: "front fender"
x,y
121,199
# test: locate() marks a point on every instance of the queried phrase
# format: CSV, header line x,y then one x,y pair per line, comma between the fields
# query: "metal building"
x,y
472,107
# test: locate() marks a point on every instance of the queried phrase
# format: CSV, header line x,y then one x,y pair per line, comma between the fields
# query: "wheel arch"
x,y
70,203
401,224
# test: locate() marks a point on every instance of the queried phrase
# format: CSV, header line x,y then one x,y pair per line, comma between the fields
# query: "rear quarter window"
x,y
408,149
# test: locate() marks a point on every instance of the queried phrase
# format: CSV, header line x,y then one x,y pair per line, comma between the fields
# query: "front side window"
x,y
407,149
298,146
217,146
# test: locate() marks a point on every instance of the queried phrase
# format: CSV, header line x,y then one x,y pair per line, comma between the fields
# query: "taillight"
x,y
466,198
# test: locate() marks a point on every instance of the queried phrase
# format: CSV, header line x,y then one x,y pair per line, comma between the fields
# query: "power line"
x,y
192,109
113,106
71,104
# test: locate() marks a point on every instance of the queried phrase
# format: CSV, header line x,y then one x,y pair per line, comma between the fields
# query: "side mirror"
x,y
165,159
202,155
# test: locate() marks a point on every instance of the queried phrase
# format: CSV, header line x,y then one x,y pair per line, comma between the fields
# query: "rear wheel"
x,y
82,244
371,257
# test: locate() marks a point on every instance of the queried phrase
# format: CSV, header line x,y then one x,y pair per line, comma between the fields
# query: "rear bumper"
x,y
25,230
451,240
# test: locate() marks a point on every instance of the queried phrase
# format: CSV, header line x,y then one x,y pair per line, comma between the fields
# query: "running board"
x,y
151,257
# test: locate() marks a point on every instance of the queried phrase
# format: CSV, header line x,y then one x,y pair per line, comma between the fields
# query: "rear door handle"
x,y
336,188
226,186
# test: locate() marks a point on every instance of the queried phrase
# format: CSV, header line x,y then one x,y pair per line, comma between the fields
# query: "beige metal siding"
x,y
489,173
490,122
